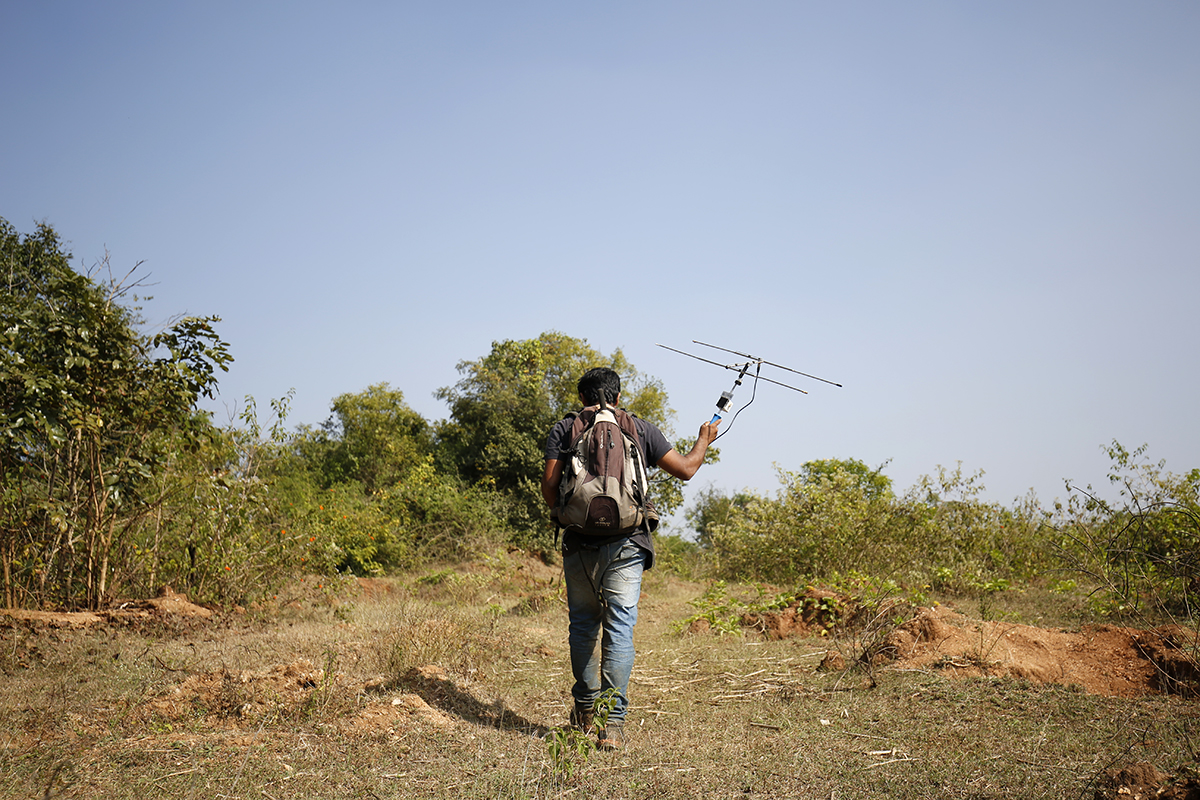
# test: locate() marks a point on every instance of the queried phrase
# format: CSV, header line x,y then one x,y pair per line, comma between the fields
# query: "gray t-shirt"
x,y
654,446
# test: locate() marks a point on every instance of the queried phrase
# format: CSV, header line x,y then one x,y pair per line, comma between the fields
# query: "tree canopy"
x,y
372,437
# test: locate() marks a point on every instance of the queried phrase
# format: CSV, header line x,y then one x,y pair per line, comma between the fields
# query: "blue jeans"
x,y
615,570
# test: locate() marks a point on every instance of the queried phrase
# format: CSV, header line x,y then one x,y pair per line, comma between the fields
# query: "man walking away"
x,y
603,566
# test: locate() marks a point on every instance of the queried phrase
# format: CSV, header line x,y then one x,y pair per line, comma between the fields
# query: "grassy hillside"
x,y
450,683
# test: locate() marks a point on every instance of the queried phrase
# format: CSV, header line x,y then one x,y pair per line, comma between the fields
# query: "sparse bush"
x,y
965,542
1144,556
217,532
829,517
442,519
456,639
424,519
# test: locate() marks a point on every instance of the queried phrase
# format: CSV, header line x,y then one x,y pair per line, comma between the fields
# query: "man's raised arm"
x,y
684,467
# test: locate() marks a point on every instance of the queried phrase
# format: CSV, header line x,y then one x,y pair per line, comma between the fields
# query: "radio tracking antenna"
x,y
769,363
738,367
741,369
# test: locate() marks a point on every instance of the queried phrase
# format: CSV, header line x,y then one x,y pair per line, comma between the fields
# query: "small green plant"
x,y
568,749
943,578
603,706
827,610
763,603
442,576
323,692
716,607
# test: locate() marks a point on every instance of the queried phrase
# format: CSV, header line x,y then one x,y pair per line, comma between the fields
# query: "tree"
x,y
373,437
89,410
506,403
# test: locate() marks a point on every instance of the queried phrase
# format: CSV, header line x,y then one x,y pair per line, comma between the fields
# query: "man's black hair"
x,y
597,380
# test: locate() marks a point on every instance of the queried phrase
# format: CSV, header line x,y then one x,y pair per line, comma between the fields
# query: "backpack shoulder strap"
x,y
629,427
580,423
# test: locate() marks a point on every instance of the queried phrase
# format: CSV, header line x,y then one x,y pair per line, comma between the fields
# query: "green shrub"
x,y
678,556
838,518
426,517
816,526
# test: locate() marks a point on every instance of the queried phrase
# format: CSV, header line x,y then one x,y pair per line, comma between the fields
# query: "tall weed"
x,y
457,639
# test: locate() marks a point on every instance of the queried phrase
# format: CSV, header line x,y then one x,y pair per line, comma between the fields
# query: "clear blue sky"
x,y
982,218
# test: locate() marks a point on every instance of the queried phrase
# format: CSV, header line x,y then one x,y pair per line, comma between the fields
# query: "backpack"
x,y
604,479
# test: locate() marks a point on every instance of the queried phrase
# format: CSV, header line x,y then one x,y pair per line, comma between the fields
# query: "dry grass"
x,y
445,689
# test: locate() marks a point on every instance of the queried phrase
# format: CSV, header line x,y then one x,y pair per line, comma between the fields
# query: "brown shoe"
x,y
582,719
611,736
